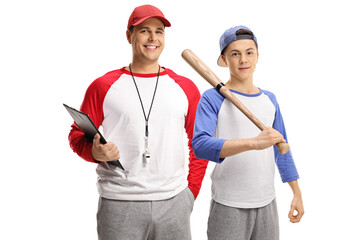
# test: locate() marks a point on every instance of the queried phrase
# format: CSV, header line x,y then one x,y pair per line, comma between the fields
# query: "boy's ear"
x,y
224,59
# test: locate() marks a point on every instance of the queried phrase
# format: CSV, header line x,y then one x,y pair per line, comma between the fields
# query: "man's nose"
x,y
152,37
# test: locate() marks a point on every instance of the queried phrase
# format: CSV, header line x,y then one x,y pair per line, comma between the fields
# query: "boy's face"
x,y
147,40
241,57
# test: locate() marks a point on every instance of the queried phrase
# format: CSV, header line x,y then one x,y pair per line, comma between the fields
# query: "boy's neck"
x,y
246,87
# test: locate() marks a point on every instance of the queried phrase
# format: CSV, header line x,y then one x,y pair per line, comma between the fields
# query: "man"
x,y
143,109
243,196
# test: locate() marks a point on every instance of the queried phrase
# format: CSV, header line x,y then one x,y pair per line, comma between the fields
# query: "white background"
x,y
50,51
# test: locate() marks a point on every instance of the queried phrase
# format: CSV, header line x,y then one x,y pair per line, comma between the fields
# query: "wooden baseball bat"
x,y
214,81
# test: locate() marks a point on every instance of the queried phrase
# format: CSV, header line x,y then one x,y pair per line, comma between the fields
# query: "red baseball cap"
x,y
144,12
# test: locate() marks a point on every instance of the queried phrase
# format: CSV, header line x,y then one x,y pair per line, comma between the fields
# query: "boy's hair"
x,y
246,33
242,34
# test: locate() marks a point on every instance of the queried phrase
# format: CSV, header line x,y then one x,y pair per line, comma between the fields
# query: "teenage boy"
x,y
145,110
243,196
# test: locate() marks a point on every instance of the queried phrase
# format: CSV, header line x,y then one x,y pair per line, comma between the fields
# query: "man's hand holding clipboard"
x,y
104,152
101,150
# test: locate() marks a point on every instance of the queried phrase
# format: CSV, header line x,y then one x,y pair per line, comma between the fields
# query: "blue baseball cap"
x,y
232,35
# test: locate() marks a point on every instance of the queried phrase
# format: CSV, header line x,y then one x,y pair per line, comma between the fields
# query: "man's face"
x,y
147,40
241,57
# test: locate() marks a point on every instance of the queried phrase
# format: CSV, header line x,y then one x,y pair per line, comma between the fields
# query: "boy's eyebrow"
x,y
238,51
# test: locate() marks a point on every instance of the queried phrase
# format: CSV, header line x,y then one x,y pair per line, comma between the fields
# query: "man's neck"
x,y
142,68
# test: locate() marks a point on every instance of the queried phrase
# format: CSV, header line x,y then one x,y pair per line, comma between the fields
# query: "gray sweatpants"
x,y
243,224
146,220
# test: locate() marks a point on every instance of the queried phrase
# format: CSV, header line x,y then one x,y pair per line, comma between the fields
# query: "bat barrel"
x,y
200,67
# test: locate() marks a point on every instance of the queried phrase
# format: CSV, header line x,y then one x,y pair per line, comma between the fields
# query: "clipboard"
x,y
87,126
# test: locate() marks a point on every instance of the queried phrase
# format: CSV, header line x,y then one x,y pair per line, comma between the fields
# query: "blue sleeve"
x,y
205,145
284,162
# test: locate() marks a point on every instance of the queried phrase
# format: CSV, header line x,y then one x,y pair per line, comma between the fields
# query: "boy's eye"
x,y
235,54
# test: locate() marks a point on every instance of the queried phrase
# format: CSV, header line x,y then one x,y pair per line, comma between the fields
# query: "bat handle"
x,y
283,147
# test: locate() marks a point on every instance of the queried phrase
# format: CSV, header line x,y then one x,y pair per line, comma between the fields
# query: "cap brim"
x,y
164,20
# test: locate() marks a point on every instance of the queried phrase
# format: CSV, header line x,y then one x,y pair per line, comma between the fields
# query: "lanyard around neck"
x,y
142,105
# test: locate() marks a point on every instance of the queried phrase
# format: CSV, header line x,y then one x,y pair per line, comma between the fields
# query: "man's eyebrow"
x,y
147,28
144,28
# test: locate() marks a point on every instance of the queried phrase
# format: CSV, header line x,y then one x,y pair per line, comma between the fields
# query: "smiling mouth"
x,y
151,47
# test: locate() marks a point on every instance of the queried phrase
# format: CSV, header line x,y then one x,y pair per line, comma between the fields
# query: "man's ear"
x,y
128,36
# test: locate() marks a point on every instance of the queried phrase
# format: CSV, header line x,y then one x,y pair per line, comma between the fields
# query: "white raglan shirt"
x,y
112,101
244,180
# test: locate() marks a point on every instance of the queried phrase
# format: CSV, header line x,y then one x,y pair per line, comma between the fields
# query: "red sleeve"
x,y
93,106
197,167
